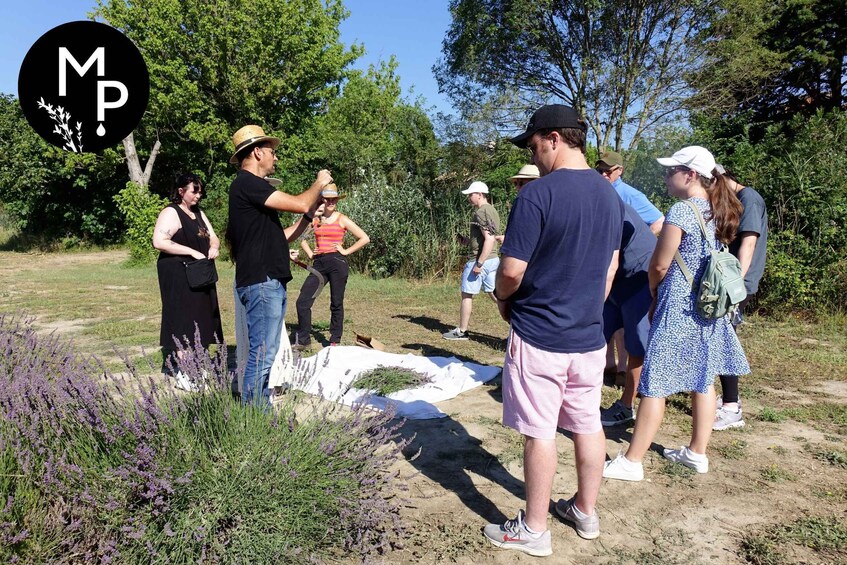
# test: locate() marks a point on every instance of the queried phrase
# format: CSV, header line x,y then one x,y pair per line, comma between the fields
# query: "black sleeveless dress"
x,y
181,306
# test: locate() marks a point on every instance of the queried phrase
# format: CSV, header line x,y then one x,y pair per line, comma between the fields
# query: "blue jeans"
x,y
265,307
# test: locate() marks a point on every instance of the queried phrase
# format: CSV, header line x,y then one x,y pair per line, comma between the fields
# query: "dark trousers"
x,y
729,383
334,268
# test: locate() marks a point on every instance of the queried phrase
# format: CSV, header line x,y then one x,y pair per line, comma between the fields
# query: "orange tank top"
x,y
327,235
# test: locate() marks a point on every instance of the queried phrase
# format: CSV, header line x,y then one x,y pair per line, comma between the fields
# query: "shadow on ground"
x,y
452,463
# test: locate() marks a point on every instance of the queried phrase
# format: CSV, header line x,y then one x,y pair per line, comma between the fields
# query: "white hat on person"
x,y
476,186
526,172
696,158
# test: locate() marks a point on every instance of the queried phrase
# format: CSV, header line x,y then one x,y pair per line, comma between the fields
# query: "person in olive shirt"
x,y
259,247
482,266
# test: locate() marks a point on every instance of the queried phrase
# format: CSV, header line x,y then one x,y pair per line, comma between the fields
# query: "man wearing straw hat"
x,y
527,174
259,247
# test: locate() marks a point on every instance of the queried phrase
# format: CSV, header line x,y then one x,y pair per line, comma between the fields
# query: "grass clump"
x,y
387,380
775,474
770,415
772,546
111,469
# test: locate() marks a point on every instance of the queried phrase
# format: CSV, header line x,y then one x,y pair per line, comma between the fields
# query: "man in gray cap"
x,y
482,264
557,266
259,247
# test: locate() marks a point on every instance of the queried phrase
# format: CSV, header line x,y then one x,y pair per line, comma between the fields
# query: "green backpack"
x,y
722,286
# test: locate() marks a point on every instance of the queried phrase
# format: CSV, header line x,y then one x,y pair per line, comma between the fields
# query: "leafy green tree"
x,y
218,65
770,60
620,63
52,193
369,129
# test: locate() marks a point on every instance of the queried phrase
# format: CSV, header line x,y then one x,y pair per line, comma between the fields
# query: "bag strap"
x,y
677,257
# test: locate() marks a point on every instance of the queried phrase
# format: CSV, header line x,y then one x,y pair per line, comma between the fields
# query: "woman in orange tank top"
x,y
329,254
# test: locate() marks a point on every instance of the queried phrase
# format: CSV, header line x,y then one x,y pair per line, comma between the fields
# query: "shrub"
x,y
140,208
110,469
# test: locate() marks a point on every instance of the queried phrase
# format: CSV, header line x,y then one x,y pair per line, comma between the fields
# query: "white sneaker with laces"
x,y
685,456
623,469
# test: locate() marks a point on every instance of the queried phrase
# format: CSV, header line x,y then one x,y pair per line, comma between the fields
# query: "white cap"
x,y
694,157
476,186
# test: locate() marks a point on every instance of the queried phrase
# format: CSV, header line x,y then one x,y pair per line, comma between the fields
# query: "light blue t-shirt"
x,y
638,201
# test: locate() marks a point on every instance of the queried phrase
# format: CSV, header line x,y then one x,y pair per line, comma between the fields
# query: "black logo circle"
x,y
83,86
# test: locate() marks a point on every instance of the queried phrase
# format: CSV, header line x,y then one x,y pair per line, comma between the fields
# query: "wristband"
x,y
478,264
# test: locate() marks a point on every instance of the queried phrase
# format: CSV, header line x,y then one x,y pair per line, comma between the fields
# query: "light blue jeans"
x,y
265,306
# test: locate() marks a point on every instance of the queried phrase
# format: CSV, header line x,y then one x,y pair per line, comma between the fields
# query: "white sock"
x,y
696,456
531,532
579,513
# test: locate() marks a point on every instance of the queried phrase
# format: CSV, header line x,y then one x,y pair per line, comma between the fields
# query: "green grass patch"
x,y
833,457
777,544
734,450
386,380
825,415
773,473
770,415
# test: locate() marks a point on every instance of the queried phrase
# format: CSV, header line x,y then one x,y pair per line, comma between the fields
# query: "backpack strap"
x,y
677,257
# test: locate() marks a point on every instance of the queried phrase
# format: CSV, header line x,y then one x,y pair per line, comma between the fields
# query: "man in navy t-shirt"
x,y
558,261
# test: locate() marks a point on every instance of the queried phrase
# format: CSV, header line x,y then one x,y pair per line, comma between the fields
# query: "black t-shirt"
x,y
255,232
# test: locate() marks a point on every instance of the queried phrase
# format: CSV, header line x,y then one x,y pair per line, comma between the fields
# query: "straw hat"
x,y
247,136
526,172
331,191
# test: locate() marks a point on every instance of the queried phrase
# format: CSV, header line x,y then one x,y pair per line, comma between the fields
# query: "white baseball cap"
x,y
696,158
476,186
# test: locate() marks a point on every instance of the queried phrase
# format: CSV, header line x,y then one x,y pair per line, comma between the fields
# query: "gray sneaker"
x,y
726,419
589,528
616,414
455,334
514,535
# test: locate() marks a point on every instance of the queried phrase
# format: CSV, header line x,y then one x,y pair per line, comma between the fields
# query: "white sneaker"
x,y
726,419
623,469
685,456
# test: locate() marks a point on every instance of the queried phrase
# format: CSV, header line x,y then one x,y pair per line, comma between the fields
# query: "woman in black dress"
x,y
183,233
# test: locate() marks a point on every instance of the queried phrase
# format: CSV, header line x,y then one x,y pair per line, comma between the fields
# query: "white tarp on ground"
x,y
332,371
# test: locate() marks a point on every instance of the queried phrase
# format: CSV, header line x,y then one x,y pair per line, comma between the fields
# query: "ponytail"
x,y
726,208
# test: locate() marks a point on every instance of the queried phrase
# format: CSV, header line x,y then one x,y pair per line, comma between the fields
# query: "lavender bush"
x,y
96,467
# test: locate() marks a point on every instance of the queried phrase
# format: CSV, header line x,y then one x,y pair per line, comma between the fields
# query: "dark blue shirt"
x,y
754,219
565,225
637,245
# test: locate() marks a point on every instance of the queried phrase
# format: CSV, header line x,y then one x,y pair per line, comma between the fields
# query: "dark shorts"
x,y
627,308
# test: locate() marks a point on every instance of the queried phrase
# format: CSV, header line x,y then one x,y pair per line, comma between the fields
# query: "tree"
x,y
370,129
218,65
620,63
772,60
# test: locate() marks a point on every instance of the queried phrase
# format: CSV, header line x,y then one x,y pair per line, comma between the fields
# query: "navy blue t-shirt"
x,y
565,225
637,245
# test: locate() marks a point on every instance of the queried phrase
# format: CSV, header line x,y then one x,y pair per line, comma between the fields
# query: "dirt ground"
x,y
671,517
465,470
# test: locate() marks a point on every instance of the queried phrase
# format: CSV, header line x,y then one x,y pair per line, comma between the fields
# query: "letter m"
x,y
65,57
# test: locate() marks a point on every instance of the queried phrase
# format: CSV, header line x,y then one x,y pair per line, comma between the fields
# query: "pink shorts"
x,y
543,390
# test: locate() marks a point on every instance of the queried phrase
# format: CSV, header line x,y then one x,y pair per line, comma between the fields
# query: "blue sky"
x,y
410,30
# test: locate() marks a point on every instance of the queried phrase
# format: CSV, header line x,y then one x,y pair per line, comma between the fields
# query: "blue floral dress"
x,y
685,351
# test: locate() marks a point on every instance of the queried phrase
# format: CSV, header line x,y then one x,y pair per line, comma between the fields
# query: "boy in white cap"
x,y
483,262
